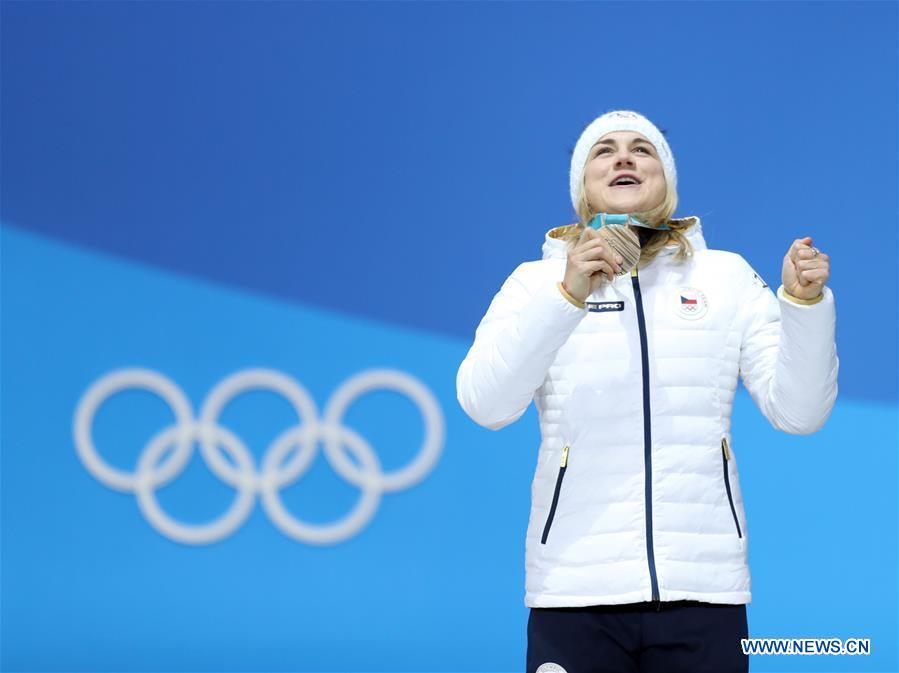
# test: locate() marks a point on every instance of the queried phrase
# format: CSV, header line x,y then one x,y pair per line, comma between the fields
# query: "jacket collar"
x,y
554,246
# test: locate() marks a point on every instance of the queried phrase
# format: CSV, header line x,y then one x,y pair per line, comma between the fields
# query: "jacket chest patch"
x,y
603,306
689,303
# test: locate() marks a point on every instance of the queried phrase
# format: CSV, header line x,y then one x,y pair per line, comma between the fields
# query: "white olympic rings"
x,y
275,472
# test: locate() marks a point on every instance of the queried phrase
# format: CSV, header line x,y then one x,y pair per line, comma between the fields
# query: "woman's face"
x,y
617,154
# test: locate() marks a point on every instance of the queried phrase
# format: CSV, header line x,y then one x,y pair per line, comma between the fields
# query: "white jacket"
x,y
636,495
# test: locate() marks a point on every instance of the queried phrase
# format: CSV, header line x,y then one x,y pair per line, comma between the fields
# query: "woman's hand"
x,y
590,261
805,269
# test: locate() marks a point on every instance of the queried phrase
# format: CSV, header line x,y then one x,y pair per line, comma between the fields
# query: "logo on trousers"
x,y
550,667
275,473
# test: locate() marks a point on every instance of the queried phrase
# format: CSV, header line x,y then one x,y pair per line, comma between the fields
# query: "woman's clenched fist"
x,y
805,269
590,261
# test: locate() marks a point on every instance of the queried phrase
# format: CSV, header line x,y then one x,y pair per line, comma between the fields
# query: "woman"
x,y
636,550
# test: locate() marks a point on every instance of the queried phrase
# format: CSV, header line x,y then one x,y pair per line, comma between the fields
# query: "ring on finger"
x,y
814,251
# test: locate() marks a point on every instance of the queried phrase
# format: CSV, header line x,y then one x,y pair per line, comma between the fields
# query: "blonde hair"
x,y
651,242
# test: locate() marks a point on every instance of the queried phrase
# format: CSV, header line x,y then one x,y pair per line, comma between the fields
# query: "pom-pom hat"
x,y
617,120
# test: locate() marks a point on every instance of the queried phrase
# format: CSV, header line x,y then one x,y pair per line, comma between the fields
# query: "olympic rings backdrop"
x,y
245,247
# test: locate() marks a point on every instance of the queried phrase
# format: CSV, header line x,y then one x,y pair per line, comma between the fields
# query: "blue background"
x,y
323,188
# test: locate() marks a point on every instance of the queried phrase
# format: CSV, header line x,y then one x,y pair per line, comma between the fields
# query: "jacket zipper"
x,y
725,456
647,436
552,510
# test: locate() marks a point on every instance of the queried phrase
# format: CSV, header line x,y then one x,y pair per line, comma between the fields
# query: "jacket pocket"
x,y
552,509
725,457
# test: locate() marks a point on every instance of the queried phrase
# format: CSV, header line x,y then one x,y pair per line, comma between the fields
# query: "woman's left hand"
x,y
805,269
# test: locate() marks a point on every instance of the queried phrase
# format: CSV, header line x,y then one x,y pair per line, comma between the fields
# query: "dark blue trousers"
x,y
668,637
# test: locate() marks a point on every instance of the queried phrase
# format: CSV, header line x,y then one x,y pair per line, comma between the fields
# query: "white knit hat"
x,y
617,120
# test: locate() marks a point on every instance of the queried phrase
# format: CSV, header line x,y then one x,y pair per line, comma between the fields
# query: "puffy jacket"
x,y
636,493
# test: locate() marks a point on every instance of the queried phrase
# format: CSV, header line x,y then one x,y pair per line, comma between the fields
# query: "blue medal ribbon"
x,y
602,219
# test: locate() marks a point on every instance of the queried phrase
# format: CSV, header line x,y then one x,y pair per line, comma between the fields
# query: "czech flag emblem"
x,y
689,302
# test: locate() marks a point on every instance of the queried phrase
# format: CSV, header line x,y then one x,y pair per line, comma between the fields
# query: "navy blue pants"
x,y
668,637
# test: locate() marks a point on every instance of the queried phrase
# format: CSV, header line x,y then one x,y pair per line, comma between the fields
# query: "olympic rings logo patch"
x,y
689,302
298,443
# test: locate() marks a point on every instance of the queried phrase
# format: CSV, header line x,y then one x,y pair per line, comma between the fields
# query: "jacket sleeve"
x,y
514,346
788,356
